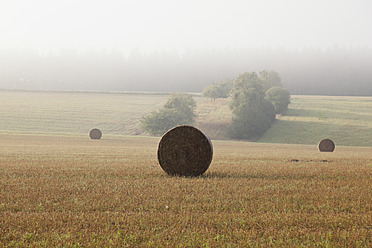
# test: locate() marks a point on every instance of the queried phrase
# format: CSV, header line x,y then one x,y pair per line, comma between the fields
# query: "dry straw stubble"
x,y
95,133
326,145
185,151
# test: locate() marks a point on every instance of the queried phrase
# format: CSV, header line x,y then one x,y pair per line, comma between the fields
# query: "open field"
x,y
68,190
345,120
59,188
75,113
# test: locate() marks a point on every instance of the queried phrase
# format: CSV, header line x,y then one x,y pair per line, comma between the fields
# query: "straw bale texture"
x,y
95,133
326,145
185,151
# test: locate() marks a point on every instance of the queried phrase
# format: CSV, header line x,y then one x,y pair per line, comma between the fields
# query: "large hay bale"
x,y
185,151
95,133
326,145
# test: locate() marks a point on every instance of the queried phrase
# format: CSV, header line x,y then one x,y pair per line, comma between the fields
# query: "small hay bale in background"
x,y
326,145
95,133
185,151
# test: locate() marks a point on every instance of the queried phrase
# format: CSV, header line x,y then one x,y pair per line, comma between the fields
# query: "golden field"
x,y
69,191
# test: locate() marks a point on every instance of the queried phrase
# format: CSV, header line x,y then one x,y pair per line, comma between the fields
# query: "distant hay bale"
x,y
95,133
185,151
326,145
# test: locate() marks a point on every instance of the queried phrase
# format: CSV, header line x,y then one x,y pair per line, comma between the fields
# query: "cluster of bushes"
x,y
255,101
178,110
219,90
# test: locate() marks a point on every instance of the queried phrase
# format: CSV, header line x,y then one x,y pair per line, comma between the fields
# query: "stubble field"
x,y
68,190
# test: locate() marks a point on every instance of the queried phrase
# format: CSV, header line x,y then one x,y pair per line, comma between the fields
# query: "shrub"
x,y
280,98
178,110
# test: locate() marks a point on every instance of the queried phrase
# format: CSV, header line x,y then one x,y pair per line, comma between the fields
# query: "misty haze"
x,y
199,123
317,47
334,71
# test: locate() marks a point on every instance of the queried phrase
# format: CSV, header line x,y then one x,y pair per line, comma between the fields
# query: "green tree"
x,y
252,113
225,87
212,91
220,90
178,110
183,103
280,98
270,79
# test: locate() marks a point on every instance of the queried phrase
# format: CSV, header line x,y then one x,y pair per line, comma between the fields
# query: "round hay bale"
x,y
95,134
326,145
185,151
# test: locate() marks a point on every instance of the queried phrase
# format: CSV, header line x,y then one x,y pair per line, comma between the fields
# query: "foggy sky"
x,y
148,25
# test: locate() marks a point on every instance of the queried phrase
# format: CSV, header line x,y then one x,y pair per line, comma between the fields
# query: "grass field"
x,y
76,113
61,190
345,120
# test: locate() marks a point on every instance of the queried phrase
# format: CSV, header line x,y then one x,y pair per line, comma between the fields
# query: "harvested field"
x,y
64,190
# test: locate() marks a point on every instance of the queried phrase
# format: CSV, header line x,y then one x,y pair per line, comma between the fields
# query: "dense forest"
x,y
333,71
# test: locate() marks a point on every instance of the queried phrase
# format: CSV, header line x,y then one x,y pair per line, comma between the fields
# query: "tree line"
x,y
333,71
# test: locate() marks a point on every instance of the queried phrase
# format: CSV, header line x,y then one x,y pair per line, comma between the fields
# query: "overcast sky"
x,y
174,24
